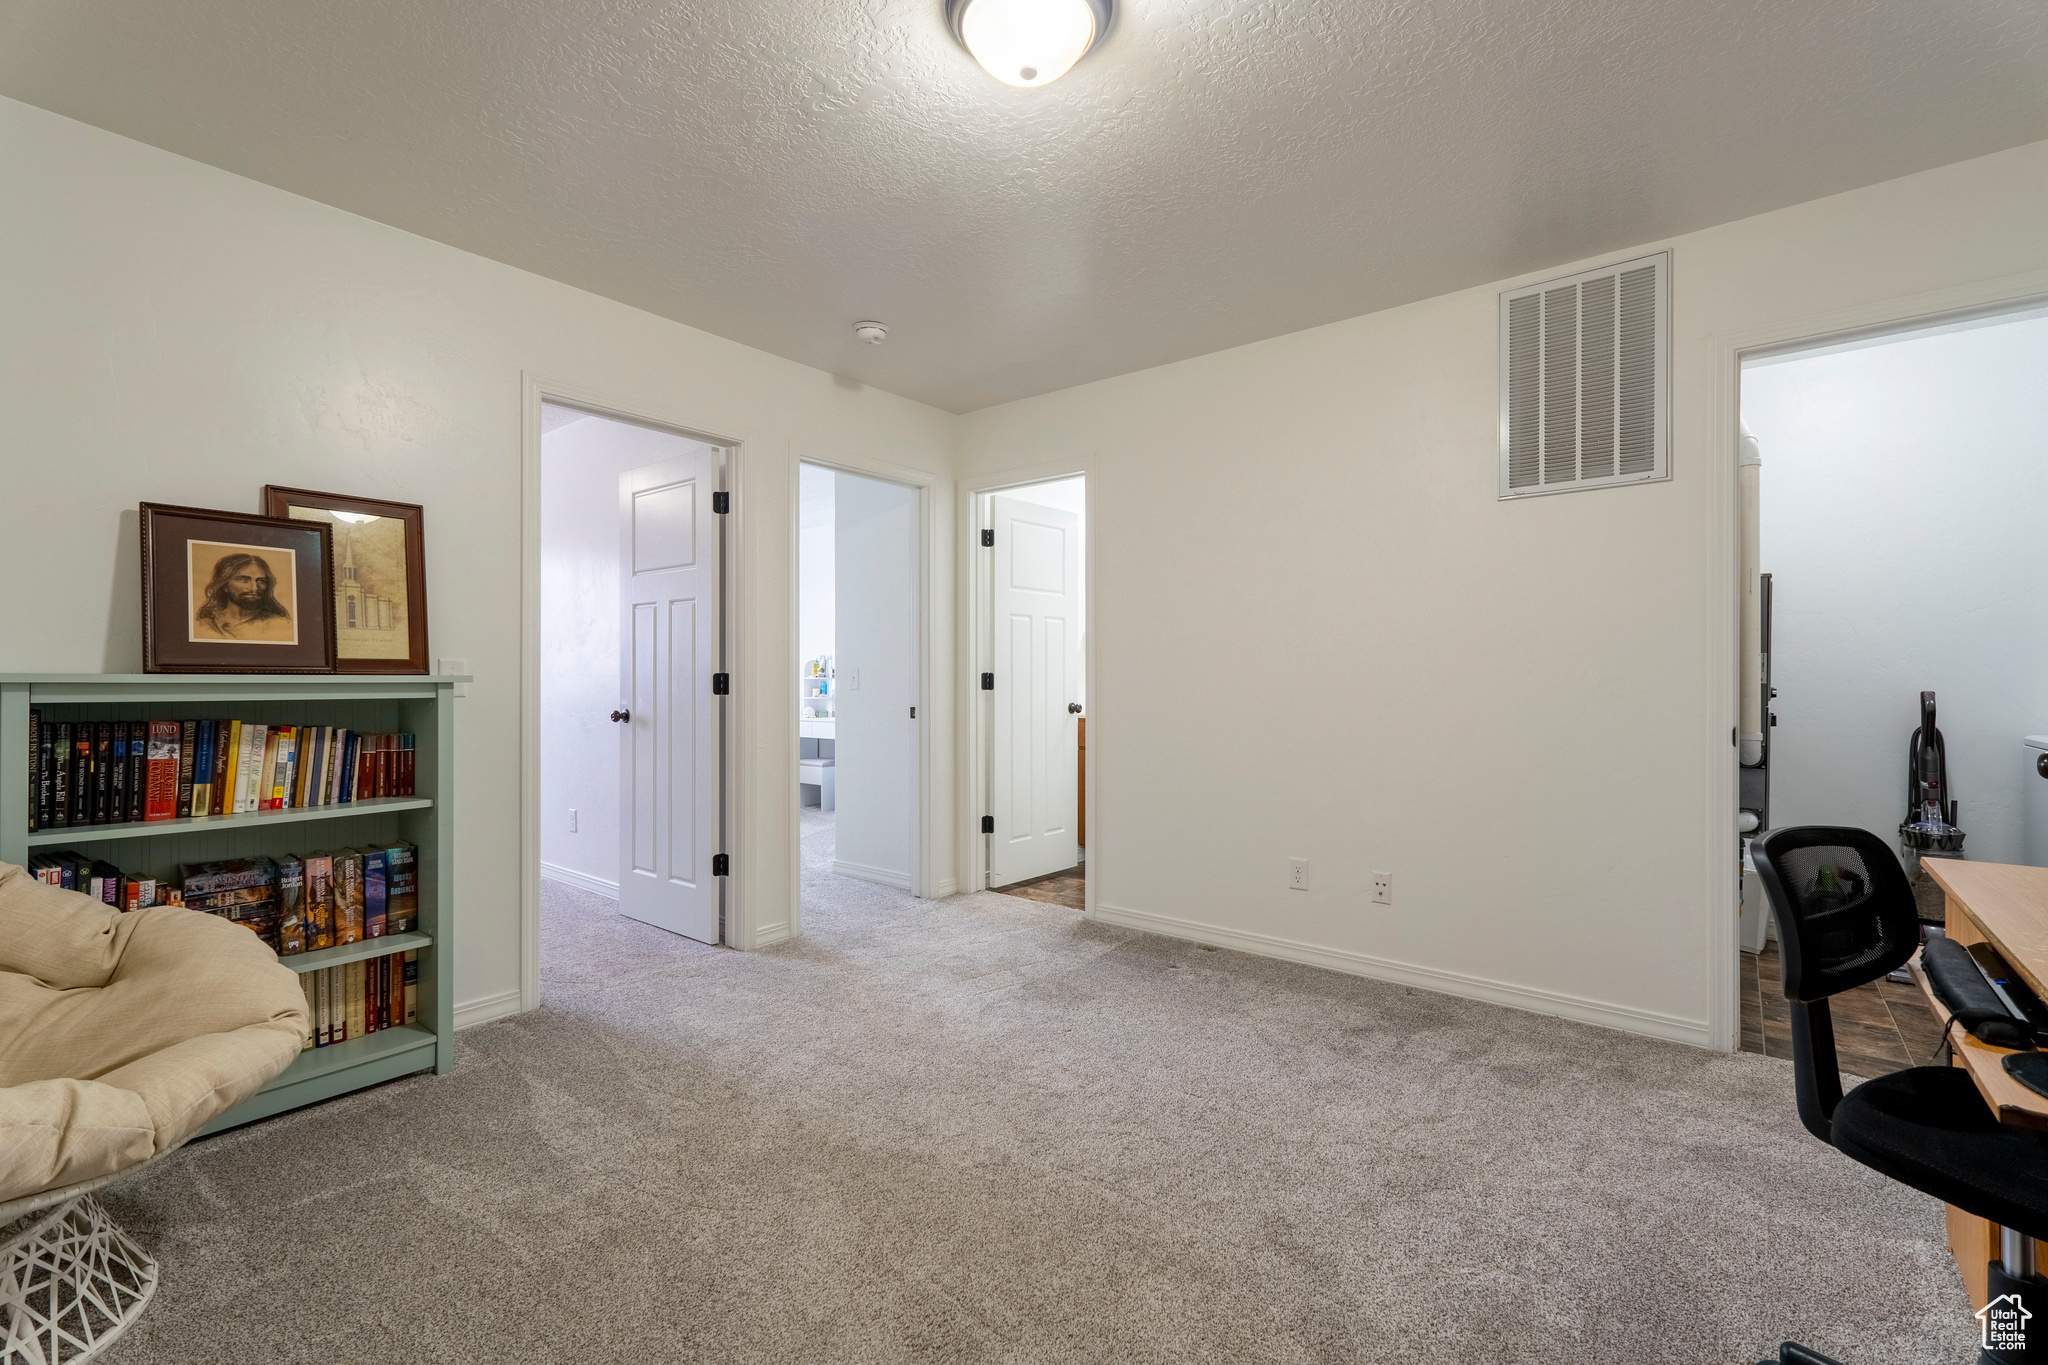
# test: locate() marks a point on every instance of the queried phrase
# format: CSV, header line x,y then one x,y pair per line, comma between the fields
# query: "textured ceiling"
x,y
1217,172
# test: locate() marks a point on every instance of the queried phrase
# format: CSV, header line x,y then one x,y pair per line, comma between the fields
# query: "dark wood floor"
x,y
1068,888
1879,1028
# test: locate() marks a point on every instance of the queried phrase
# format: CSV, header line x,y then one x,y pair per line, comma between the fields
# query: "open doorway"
x,y
631,640
858,691
1893,487
1033,647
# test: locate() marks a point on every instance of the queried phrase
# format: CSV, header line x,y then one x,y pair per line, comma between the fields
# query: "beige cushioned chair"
x,y
121,1035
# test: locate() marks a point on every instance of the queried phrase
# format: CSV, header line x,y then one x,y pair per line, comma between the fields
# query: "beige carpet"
x,y
985,1130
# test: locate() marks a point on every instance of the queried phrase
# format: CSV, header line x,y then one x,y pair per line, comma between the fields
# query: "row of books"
x,y
101,880
295,904
126,771
359,998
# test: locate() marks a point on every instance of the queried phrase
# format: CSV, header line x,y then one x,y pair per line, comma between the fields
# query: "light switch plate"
x,y
456,668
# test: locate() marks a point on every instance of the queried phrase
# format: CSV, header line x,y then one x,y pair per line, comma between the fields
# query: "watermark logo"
x,y
2005,1323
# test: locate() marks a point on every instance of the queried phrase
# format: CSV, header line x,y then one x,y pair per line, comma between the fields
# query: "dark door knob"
x,y
622,715
1073,708
2041,765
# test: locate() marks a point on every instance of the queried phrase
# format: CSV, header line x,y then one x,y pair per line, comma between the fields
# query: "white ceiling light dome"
x,y
1029,43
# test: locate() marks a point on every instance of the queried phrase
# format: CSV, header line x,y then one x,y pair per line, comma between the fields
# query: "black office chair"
x,y
1845,916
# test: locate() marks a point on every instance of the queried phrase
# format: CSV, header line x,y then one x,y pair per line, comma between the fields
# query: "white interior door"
x,y
1036,654
668,650
875,634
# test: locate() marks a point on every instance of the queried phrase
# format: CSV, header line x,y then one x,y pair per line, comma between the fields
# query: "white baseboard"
x,y
860,872
948,887
769,934
1624,1018
582,881
470,1013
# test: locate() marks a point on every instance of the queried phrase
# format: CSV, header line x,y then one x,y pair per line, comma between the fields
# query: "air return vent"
x,y
1582,380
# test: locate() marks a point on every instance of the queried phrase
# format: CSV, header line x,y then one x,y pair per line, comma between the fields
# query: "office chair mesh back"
x,y
1845,910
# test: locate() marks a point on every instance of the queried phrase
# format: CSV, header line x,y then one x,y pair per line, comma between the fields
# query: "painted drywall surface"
x,y
177,334
816,575
1905,492
1317,632
579,636
875,739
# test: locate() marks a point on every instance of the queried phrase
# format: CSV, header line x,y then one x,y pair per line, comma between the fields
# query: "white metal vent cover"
x,y
1583,379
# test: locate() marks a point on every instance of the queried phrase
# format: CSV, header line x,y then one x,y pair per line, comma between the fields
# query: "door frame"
x,y
924,841
1983,298
978,648
740,912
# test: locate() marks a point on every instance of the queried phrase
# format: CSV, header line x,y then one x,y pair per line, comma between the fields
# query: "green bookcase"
x,y
423,706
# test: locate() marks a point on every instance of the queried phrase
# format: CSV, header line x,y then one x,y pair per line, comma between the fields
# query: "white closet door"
x,y
668,650
1037,660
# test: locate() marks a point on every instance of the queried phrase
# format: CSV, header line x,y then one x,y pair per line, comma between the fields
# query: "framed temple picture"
x,y
380,576
226,592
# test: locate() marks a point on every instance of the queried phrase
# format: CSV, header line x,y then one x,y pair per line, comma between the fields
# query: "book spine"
x,y
312,990
117,807
60,776
412,986
82,745
281,779
291,907
202,768
188,739
161,800
231,779
411,762
375,883
138,767
46,783
384,1019
35,767
320,900
323,1032
356,1021
102,771
267,769
217,789
344,747
348,897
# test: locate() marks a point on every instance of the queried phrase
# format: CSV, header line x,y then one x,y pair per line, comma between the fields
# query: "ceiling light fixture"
x,y
1029,43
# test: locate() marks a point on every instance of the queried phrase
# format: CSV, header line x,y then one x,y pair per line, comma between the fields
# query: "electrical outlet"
x,y
1382,888
572,819
1297,874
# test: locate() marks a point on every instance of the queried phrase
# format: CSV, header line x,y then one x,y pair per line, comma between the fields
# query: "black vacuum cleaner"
x,y
1930,823
1929,829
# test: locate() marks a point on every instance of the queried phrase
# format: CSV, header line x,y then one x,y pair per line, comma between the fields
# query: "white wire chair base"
x,y
70,1283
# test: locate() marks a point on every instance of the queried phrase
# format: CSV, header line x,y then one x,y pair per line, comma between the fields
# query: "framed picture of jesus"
x,y
226,592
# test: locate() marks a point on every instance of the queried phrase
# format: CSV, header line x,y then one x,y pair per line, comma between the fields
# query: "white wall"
x,y
1317,631
177,334
579,639
875,740
816,576
1905,495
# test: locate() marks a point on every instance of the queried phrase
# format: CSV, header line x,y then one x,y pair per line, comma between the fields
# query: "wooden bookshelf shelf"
x,y
419,705
382,946
72,834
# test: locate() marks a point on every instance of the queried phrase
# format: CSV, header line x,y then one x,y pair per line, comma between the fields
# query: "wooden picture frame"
x,y
380,609
227,592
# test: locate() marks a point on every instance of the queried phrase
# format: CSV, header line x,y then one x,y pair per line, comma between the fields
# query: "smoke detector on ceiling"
x,y
870,333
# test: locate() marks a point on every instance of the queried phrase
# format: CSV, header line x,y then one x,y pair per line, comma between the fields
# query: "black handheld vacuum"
x,y
1930,823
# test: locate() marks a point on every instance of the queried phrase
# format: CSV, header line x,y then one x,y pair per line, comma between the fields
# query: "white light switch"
x,y
455,668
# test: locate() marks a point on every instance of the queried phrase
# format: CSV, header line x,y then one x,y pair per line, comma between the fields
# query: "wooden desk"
x,y
2006,906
